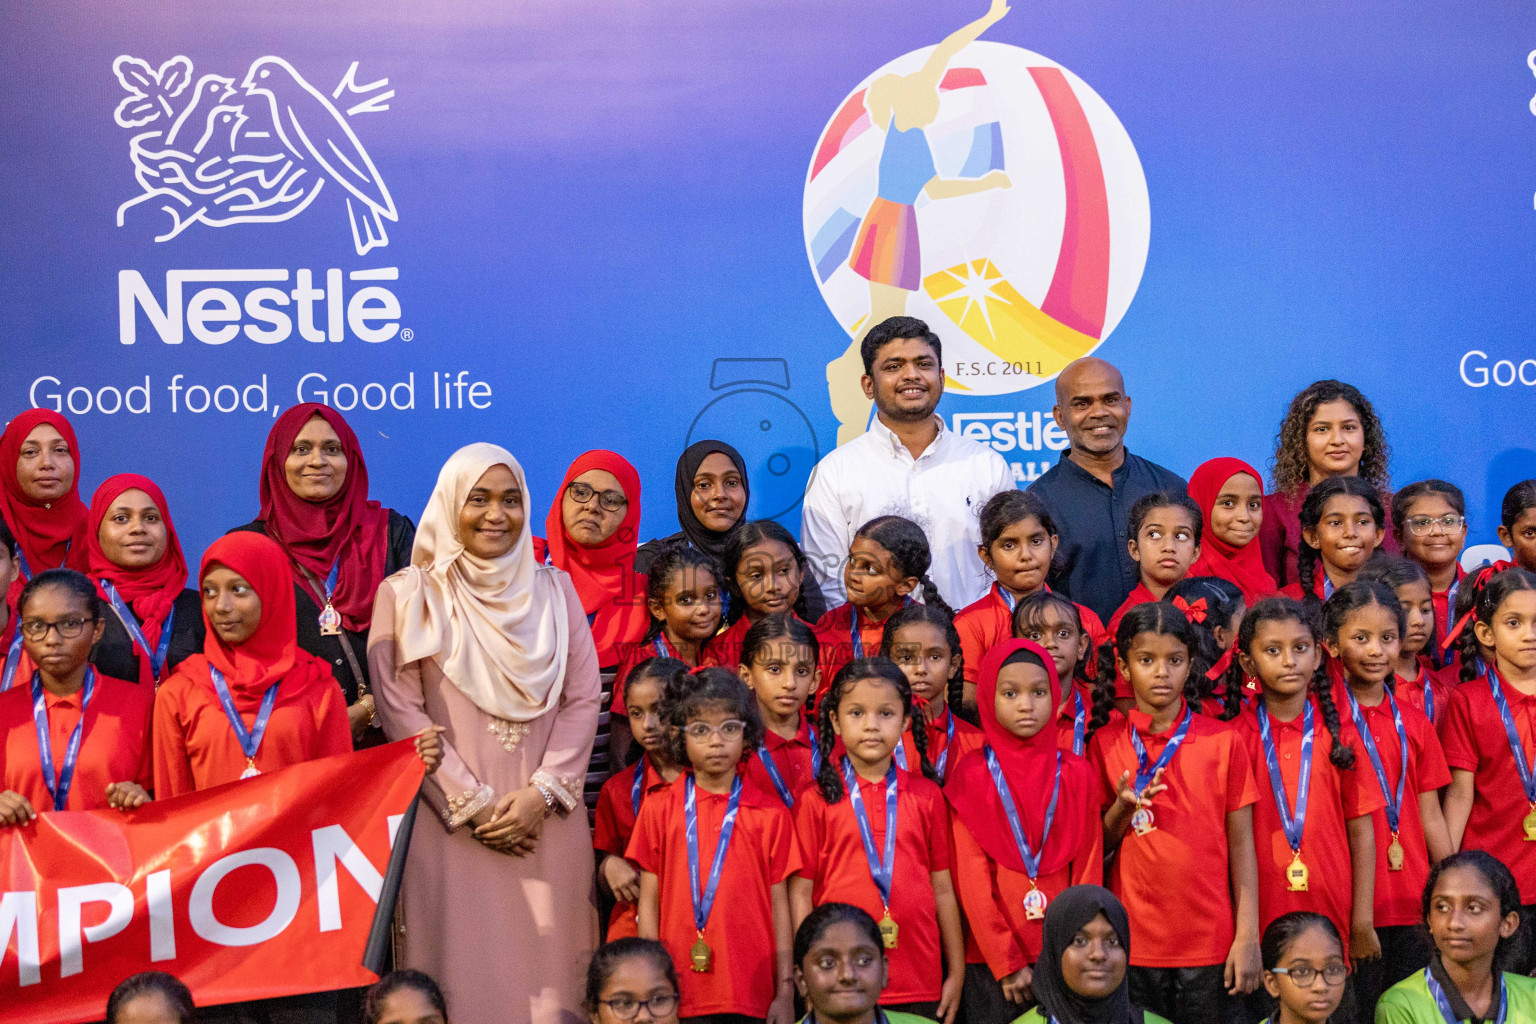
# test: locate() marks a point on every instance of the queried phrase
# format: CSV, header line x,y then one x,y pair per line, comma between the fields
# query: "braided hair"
x,y
1223,602
743,539
1283,609
674,559
1312,509
1159,619
830,779
908,547
1489,590
954,691
1351,598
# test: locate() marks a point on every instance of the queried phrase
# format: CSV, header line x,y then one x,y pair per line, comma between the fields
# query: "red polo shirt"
x,y
791,756
615,823
990,620
1178,872
1474,739
835,631
114,745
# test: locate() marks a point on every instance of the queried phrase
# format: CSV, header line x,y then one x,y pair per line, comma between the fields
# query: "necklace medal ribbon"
x,y
1143,820
1516,748
58,785
249,739
330,618
1293,824
1395,855
881,869
135,631
1034,900
701,958
12,660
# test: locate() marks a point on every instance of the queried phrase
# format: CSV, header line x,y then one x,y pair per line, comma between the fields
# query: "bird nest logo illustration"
x,y
217,151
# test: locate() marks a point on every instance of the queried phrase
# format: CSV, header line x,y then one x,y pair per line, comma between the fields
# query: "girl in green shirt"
x,y
1472,910
1304,968
841,968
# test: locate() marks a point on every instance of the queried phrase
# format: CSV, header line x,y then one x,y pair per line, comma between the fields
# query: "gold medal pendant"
x,y
888,930
251,771
701,958
1296,875
1395,855
330,621
1530,825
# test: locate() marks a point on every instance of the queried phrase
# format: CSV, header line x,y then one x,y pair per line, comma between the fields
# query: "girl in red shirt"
x,y
1177,790
1215,608
1489,731
1429,519
887,561
871,830
1054,623
1313,831
779,662
715,855
764,570
1418,683
1517,523
683,593
922,641
1342,524
70,738
1026,826
1399,757
1165,532
1018,544
622,795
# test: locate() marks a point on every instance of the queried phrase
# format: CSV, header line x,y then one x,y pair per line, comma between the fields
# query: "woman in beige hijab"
x,y
475,636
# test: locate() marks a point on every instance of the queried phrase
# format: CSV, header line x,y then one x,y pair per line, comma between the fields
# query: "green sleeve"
x,y
1401,1004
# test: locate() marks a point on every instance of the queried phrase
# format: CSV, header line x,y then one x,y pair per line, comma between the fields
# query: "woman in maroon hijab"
x,y
40,495
340,545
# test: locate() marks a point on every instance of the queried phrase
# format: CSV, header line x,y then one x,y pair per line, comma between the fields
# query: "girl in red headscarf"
x,y
339,544
40,496
153,622
1230,494
1026,825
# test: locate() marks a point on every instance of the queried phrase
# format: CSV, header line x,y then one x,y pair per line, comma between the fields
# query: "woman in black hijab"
x,y
1084,956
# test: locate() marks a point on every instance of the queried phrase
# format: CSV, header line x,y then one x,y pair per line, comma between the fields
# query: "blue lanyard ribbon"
x,y
1429,698
704,899
1079,721
135,631
330,580
1444,1004
775,777
58,785
1516,748
12,659
661,647
250,739
21,562
853,629
1292,824
1003,595
949,741
1394,803
900,753
1144,771
637,791
881,869
815,752
1011,810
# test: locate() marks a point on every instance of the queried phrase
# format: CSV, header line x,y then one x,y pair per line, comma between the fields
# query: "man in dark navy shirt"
x,y
1091,489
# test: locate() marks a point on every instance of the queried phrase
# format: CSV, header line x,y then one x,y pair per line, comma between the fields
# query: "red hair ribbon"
x,y
1222,664
1478,581
1194,612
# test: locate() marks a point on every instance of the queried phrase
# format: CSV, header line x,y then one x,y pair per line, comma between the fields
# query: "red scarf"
x,y
347,527
49,534
272,652
152,590
612,593
1029,766
1243,566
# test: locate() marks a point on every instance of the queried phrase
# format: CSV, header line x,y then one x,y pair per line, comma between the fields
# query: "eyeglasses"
x,y
730,729
1421,525
628,1007
611,501
1333,974
68,629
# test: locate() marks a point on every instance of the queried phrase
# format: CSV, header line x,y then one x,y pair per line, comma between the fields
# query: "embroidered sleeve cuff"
x,y
466,805
566,790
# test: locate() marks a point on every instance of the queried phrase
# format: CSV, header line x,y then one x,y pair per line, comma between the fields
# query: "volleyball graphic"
x,y
1011,214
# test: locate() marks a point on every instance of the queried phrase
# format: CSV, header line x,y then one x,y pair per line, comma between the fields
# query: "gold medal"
x,y
701,958
330,621
888,930
1395,855
1296,875
1530,825
251,771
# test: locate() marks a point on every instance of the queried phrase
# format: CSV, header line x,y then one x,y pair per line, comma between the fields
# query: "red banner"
x,y
262,888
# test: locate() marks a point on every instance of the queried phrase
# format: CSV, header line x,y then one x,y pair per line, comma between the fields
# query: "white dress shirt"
x,y
942,490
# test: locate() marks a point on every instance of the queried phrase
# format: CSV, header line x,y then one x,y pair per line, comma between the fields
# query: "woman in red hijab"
x,y
153,622
591,533
40,496
1230,494
339,544
1026,825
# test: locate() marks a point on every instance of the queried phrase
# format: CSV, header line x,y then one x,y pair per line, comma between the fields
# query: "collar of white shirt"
x,y
886,438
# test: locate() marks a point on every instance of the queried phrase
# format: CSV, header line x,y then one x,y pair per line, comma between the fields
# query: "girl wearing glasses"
x,y
632,979
715,853
70,737
1304,969
40,495
592,531
1430,520
1472,910
872,831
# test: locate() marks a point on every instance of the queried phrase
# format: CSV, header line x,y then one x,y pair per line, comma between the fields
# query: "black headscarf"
x,y
1064,918
711,542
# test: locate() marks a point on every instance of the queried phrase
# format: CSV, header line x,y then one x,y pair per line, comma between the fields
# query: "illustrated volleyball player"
x,y
886,252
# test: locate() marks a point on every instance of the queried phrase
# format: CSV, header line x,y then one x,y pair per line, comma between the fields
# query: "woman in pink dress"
x,y
476,636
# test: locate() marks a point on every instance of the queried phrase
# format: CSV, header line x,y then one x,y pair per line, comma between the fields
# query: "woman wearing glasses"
x,y
339,543
592,531
632,979
70,737
478,637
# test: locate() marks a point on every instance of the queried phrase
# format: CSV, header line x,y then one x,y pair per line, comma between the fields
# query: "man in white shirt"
x,y
908,464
